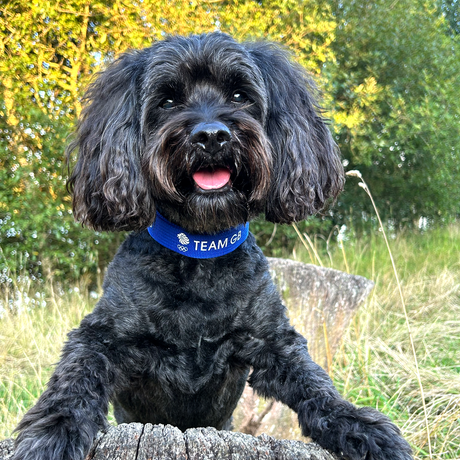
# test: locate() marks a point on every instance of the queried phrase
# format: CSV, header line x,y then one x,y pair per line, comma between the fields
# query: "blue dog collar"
x,y
203,246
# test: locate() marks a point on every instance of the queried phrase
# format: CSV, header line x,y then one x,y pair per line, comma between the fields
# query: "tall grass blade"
x,y
365,187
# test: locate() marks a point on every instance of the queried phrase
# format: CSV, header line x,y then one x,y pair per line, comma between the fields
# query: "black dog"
x,y
198,135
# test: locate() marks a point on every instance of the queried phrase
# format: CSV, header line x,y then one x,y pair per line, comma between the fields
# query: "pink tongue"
x,y
209,180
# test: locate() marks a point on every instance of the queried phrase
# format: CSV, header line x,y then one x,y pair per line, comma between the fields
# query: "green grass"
x,y
33,328
374,365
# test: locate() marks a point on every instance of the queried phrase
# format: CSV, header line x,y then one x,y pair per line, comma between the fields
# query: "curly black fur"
x,y
173,338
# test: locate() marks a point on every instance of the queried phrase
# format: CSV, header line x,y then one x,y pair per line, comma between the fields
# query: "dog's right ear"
x,y
109,190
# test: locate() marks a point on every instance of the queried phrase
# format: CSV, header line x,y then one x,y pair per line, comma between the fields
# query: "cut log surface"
x,y
164,442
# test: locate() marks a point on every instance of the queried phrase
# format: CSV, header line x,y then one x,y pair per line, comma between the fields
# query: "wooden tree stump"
x,y
321,303
159,442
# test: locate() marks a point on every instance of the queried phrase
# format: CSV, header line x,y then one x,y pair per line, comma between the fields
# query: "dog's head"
x,y
208,131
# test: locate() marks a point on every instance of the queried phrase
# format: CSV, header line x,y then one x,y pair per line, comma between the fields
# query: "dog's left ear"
x,y
307,170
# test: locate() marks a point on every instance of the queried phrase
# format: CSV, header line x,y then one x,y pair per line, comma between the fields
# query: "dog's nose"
x,y
210,136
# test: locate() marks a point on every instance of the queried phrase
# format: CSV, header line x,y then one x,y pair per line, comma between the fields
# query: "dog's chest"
x,y
192,336
182,319
198,311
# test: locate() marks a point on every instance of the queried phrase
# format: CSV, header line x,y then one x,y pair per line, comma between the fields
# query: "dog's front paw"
x,y
352,433
60,439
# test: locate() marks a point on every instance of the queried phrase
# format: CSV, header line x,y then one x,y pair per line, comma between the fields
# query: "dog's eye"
x,y
168,104
239,97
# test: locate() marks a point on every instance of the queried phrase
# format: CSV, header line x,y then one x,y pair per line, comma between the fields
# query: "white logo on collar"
x,y
183,239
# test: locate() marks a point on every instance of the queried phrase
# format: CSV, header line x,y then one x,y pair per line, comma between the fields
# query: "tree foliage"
x,y
394,86
451,10
51,50
390,69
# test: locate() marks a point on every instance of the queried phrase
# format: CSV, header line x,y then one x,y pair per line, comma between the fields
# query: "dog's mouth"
x,y
212,178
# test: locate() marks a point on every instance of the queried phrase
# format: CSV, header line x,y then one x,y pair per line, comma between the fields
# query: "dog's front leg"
x,y
65,420
284,370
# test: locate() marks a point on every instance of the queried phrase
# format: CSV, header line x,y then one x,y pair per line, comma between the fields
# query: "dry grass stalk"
x,y
365,187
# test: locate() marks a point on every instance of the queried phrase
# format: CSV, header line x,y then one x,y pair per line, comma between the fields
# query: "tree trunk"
x,y
321,303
